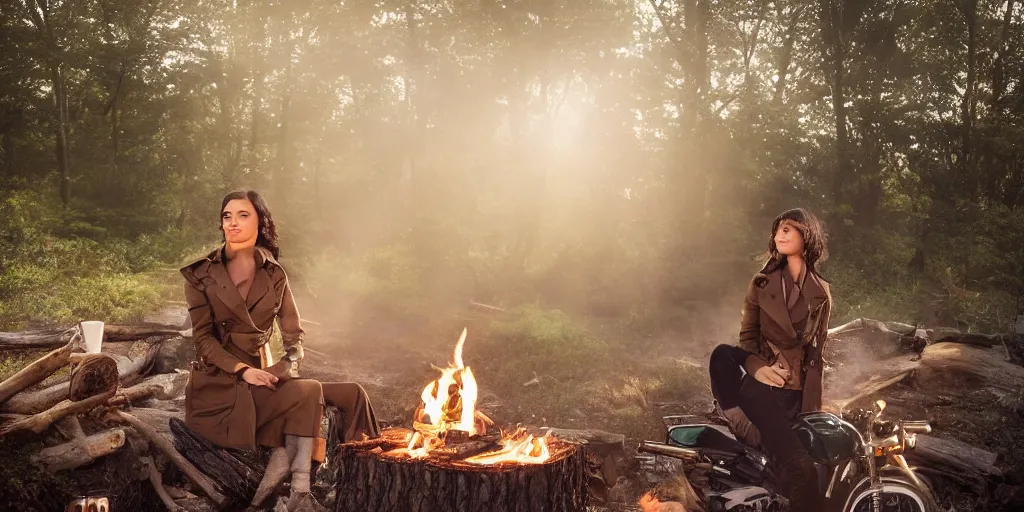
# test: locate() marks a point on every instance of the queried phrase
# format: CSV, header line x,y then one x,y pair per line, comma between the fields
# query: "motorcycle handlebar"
x,y
671,451
917,427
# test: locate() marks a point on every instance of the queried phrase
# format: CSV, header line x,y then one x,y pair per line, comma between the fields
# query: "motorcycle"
x,y
859,458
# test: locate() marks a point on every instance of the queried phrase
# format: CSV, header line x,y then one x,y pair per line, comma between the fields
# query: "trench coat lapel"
x,y
226,290
814,292
771,301
261,283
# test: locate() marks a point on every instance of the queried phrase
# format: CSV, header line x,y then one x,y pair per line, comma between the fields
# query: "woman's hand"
x,y
774,375
282,370
258,377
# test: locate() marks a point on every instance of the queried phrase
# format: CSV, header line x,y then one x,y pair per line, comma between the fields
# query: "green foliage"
x,y
53,275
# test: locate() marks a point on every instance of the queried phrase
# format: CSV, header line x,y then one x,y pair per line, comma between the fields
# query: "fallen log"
x,y
892,336
129,369
80,451
940,335
70,428
166,386
236,473
151,473
871,387
95,374
35,372
37,423
955,455
982,364
157,419
191,472
111,333
36,338
32,402
115,333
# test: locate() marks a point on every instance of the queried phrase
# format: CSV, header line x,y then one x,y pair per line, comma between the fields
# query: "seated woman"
x,y
775,373
235,397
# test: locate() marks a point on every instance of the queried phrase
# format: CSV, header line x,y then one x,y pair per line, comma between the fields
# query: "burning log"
x,y
371,479
451,462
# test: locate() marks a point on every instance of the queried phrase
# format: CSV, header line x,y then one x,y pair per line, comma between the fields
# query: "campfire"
x,y
454,458
447,425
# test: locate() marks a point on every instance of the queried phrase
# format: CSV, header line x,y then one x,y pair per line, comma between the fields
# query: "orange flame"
x,y
449,404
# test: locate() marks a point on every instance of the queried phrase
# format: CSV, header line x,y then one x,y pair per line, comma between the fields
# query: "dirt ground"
x,y
625,386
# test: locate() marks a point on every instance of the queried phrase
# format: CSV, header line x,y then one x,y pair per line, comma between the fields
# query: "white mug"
x,y
92,333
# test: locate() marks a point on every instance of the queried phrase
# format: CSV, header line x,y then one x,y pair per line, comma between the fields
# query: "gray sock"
x,y
301,463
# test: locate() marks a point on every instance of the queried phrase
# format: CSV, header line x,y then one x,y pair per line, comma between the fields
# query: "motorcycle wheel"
x,y
898,494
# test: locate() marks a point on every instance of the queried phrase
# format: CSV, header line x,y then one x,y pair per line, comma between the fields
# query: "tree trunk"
x,y
834,46
786,55
969,9
368,481
999,64
63,159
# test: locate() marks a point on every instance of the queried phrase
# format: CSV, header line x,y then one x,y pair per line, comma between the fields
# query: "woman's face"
x,y
788,239
240,222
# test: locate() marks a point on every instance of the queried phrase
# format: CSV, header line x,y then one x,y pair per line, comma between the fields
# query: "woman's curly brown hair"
x,y
813,233
267,237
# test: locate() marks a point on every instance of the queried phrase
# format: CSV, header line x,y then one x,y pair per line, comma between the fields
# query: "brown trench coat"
x,y
766,319
229,331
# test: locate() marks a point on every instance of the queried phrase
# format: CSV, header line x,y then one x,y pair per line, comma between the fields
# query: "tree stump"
x,y
370,480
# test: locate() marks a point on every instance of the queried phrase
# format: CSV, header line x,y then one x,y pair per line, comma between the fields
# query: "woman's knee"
x,y
724,360
721,354
309,389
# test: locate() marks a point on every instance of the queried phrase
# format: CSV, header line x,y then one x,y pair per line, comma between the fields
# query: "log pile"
x,y
92,411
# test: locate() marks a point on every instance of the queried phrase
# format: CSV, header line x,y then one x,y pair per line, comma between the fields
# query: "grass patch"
x,y
43,300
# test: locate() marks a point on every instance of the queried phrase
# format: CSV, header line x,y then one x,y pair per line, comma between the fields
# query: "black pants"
x,y
772,410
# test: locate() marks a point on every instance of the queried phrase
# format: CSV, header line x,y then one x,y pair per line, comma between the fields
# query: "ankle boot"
x,y
740,425
277,470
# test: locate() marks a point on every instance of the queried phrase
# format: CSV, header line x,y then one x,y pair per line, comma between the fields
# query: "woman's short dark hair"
x,y
267,237
813,233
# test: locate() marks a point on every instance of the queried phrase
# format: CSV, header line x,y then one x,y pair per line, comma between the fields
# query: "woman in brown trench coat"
x,y
237,397
775,373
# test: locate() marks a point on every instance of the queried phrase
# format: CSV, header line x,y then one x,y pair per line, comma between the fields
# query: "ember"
x,y
447,425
